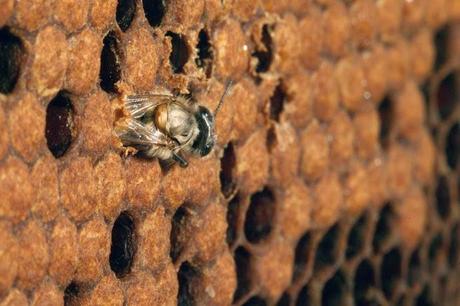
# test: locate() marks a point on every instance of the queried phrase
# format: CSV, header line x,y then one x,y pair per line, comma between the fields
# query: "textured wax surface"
x,y
335,179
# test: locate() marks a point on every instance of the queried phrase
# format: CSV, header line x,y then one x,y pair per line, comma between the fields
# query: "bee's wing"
x,y
142,137
138,105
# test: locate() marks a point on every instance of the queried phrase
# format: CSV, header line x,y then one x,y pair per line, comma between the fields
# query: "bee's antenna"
x,y
221,101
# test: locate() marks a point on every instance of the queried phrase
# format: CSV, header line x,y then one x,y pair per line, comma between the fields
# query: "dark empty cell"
x,y
123,245
59,128
454,250
126,9
453,145
243,272
185,276
227,167
260,215
154,11
180,52
70,294
285,300
304,298
364,281
383,227
390,271
425,299
204,48
271,139
10,60
255,301
264,55
443,197
110,63
441,41
356,237
178,222
277,102
386,121
447,96
415,269
334,291
232,219
327,251
434,250
303,253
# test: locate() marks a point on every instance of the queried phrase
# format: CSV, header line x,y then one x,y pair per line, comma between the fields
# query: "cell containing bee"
x,y
165,126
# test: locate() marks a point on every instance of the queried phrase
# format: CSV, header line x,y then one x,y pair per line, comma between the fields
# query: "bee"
x,y
165,126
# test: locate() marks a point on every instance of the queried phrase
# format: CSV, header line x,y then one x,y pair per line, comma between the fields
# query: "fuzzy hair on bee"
x,y
165,126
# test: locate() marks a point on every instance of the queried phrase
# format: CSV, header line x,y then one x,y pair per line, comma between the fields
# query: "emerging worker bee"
x,y
164,126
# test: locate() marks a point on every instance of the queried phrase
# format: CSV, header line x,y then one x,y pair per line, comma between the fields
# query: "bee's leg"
x,y
179,159
127,151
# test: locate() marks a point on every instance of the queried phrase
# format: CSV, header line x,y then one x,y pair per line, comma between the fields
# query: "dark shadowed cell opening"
x,y
179,53
260,215
364,281
447,96
185,276
154,11
441,40
386,121
110,63
415,268
255,301
425,298
304,297
204,56
277,102
11,52
227,167
264,56
327,251
453,145
303,254
123,245
285,300
434,251
454,250
59,124
232,219
390,271
356,237
334,290
126,9
71,294
383,227
178,222
243,272
443,197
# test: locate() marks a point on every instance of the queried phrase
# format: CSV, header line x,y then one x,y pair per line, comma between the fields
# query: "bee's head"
x,y
205,139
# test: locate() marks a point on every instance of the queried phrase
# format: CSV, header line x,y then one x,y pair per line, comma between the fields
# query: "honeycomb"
x,y
335,179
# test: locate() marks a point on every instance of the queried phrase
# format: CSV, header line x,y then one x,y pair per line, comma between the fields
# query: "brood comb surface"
x,y
335,181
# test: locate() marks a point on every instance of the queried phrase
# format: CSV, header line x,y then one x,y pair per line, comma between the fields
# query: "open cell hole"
x,y
383,227
356,237
11,52
123,245
243,272
390,271
204,58
232,219
154,11
327,251
264,55
260,216
386,121
71,294
334,291
285,300
255,301
453,146
110,63
415,270
178,222
435,250
303,254
126,9
447,97
304,297
59,130
363,282
227,166
441,40
425,298
277,102
179,53
185,276
454,246
443,198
